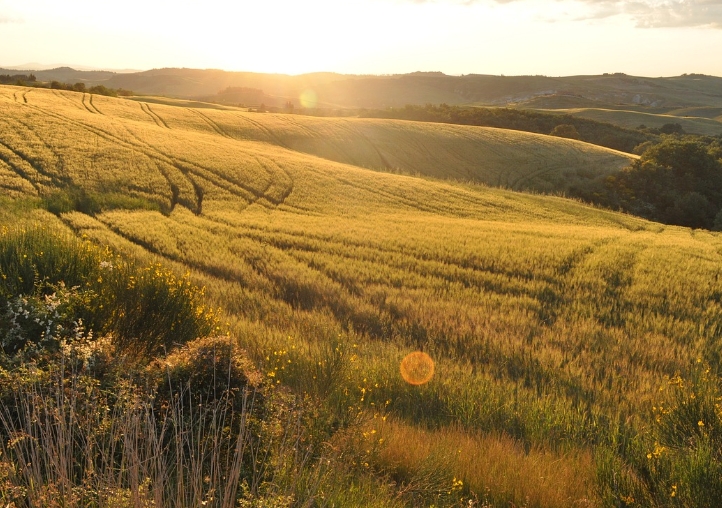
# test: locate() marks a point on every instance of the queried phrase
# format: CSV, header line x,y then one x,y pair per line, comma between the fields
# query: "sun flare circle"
x,y
308,99
417,368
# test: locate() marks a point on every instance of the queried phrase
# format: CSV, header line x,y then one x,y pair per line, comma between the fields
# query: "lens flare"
x,y
308,99
417,368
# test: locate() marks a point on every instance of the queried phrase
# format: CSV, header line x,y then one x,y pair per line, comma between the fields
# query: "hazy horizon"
x,y
512,37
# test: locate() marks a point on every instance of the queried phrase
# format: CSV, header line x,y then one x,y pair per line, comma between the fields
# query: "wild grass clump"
x,y
52,282
677,459
69,439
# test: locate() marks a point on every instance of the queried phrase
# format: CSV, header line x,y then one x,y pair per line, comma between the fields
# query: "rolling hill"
x,y
552,324
183,150
350,91
691,123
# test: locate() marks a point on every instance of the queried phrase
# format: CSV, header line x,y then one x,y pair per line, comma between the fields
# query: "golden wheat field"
x,y
358,241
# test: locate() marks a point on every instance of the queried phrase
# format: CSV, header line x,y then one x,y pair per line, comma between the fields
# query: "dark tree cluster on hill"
x,y
7,79
598,133
97,89
678,181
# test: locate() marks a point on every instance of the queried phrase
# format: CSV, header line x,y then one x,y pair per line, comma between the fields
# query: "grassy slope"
x,y
547,319
633,119
485,155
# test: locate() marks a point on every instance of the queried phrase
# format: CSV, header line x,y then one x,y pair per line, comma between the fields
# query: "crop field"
x,y
552,324
101,139
692,120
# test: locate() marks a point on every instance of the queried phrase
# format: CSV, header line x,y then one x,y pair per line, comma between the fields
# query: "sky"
x,y
510,37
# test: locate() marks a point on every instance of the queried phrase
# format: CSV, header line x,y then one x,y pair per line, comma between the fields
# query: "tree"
x,y
675,182
565,131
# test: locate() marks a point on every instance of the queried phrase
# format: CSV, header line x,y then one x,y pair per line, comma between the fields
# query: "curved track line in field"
x,y
288,188
338,146
269,132
19,171
187,167
190,170
114,138
146,109
59,162
85,105
399,198
174,190
360,134
156,115
240,189
367,253
58,93
93,106
542,170
30,162
25,96
212,124
208,270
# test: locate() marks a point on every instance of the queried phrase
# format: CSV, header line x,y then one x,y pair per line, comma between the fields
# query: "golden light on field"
x,y
417,368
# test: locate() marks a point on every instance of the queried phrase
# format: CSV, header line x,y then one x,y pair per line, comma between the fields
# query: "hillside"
x,y
690,122
173,147
350,91
552,324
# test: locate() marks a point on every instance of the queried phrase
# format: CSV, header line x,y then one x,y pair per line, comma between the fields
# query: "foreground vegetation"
x,y
553,325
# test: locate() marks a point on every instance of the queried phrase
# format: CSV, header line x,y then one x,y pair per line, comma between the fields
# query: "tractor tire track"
x,y
212,124
160,119
59,163
247,192
144,107
440,269
121,142
244,191
15,168
31,163
287,188
355,133
90,100
68,99
267,131
85,105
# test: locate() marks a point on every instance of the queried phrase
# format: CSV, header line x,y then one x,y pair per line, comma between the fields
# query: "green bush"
x,y
50,279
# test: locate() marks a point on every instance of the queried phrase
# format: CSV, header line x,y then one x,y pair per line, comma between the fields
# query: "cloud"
x,y
645,13
679,13
660,14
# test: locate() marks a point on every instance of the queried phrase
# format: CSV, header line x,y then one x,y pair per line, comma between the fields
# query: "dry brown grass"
x,y
495,467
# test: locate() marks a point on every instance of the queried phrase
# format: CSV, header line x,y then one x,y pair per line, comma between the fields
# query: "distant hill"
x,y
354,91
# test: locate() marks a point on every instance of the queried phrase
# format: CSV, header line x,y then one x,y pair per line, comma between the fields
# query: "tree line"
x,y
19,79
31,80
677,181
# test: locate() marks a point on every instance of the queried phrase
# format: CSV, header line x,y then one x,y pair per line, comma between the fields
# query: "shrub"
x,y
47,274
